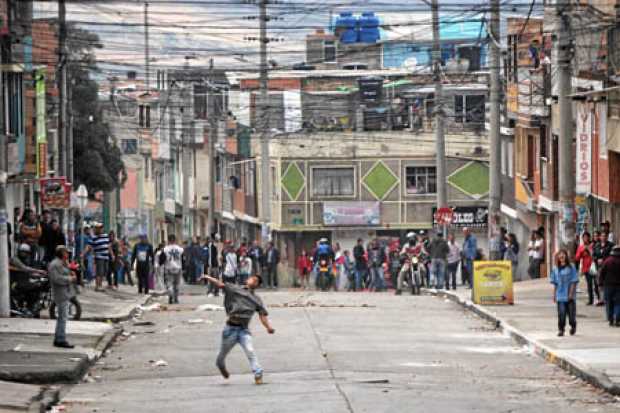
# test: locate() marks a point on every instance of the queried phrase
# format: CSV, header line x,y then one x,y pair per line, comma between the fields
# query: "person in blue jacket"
x,y
470,251
565,279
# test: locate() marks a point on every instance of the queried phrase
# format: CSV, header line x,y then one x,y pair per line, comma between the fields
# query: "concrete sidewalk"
x,y
110,305
592,354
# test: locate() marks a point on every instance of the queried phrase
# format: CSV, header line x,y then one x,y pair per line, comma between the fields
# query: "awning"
x,y
228,215
247,218
595,92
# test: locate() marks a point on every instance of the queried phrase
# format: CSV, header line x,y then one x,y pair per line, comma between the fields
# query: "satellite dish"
x,y
410,63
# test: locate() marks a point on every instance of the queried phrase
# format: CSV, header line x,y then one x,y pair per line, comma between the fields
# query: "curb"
x,y
591,376
123,316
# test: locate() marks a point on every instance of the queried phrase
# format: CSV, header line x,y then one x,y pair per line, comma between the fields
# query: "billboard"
x,y
55,193
467,216
351,213
492,282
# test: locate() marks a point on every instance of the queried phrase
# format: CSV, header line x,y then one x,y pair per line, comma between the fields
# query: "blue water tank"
x,y
369,28
346,28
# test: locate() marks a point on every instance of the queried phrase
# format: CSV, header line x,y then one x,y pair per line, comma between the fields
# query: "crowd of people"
x,y
597,258
380,263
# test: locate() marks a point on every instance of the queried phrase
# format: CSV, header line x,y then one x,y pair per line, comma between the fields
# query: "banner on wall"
x,y
351,213
584,149
492,282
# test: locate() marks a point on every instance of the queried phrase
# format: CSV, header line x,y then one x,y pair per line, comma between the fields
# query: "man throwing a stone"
x,y
240,303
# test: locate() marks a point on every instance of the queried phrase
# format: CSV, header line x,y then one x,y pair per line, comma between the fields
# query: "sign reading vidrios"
x,y
492,282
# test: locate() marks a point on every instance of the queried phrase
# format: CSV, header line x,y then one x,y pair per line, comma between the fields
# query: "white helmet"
x,y
24,248
411,235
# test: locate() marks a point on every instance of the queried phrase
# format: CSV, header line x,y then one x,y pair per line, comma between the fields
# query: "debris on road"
x,y
143,323
151,307
198,321
374,381
159,363
209,307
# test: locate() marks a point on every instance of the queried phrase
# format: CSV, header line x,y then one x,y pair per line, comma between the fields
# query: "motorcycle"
x,y
32,294
323,276
29,294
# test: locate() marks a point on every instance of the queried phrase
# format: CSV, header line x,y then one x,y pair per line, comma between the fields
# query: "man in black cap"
x,y
240,303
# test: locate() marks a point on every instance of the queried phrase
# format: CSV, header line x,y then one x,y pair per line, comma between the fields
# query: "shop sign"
x,y
466,216
55,193
492,282
41,134
584,149
351,213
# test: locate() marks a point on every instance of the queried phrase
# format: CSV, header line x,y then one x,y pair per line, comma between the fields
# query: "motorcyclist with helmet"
x,y
413,249
325,253
18,261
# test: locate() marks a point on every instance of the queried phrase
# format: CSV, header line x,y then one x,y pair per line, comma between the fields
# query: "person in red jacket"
x,y
304,266
585,260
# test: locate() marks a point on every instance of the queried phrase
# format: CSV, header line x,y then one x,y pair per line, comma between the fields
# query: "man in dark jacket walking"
x,y
145,258
609,279
361,266
272,260
213,266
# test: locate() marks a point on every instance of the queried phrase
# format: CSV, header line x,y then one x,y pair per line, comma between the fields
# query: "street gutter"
x,y
591,376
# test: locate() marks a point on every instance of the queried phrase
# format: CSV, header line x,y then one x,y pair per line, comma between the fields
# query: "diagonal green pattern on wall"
x,y
473,179
380,180
293,181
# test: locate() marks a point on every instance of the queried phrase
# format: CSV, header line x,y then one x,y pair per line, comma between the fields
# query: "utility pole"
x,y
495,190
213,130
566,154
147,64
62,90
440,144
263,122
5,291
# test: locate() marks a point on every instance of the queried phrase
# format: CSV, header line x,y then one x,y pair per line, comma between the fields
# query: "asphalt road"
x,y
332,352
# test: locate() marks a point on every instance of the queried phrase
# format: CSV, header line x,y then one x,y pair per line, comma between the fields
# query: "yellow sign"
x,y
493,282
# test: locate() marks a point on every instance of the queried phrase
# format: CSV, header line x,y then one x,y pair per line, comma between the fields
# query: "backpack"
x,y
162,258
323,249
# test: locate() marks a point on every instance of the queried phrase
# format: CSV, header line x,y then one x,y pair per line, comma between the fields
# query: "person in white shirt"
x,y
245,268
535,250
173,268
454,258
230,264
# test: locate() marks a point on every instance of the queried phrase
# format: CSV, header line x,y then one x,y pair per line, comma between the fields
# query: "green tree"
x,y
97,161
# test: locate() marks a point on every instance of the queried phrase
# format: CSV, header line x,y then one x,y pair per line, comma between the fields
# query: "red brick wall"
x,y
600,166
273,84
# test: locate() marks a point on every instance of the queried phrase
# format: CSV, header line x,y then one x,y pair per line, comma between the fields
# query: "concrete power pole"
x,y
263,121
62,90
213,129
5,292
147,63
566,153
440,143
495,190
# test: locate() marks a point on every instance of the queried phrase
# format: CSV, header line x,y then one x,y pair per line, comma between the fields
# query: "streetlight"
x,y
82,198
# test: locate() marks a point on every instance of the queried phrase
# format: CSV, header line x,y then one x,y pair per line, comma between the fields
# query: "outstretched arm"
x,y
215,281
265,321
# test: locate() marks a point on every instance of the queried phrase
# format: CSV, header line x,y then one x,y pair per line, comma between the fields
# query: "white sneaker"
x,y
210,295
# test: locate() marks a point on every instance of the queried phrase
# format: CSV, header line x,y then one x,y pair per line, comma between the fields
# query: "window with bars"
x,y
333,181
421,180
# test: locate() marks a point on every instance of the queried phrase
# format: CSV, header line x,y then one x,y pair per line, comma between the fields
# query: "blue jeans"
x,y
376,278
233,335
359,276
612,303
467,276
60,335
438,272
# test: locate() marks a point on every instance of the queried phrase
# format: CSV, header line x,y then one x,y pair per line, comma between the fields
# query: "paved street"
x,y
332,352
